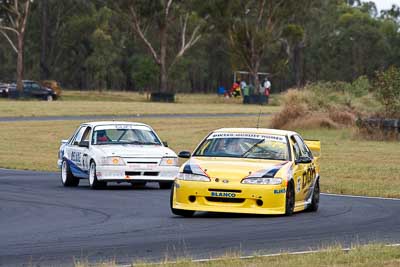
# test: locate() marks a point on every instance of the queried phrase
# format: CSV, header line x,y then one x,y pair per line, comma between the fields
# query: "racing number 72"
x,y
308,175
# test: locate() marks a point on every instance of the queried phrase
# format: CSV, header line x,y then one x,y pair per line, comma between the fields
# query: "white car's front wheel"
x,y
67,178
93,182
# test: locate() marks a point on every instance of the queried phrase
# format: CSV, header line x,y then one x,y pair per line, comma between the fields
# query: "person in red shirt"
x,y
102,136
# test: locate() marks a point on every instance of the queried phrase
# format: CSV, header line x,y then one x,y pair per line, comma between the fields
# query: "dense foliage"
x,y
94,45
388,90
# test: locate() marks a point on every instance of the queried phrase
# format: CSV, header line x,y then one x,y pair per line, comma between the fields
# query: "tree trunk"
x,y
255,81
254,73
163,58
298,65
44,70
20,63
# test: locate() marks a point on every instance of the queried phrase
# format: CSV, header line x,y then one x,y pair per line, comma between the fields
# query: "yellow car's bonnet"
x,y
232,168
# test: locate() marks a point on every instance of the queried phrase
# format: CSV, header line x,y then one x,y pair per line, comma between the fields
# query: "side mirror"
x,y
184,154
303,160
165,143
84,144
63,142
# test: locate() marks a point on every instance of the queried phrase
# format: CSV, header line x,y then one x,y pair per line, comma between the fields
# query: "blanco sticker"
x,y
276,138
298,184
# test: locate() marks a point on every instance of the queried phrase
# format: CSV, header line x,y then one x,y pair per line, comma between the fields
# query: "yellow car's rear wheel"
x,y
179,212
315,198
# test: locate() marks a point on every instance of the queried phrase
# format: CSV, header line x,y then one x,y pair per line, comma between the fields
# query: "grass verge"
x,y
95,103
348,165
365,256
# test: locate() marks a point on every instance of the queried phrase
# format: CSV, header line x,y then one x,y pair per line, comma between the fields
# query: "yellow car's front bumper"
x,y
235,198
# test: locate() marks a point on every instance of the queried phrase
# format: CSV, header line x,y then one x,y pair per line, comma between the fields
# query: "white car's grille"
x,y
142,162
133,173
150,161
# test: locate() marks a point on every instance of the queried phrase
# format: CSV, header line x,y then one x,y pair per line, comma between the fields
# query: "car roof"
x,y
98,123
256,131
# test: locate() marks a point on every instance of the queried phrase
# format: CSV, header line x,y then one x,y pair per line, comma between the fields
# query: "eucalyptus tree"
x,y
255,27
13,22
152,22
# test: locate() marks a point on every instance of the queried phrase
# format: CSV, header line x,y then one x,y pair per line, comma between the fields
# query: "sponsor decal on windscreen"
x,y
269,137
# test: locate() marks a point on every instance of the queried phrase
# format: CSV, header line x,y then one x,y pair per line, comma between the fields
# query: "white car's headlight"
x,y
114,161
261,180
193,177
169,162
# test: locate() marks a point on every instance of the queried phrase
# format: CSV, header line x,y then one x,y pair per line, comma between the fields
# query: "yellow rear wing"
x,y
314,146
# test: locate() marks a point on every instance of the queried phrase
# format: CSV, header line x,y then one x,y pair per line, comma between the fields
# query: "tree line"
x,y
194,46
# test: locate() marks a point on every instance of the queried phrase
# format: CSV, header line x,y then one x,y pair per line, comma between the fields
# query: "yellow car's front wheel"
x,y
289,206
179,212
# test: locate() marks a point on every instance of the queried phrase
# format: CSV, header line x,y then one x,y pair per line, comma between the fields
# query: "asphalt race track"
x,y
43,223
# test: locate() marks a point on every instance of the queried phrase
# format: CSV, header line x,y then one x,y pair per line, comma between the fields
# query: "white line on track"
x,y
366,197
305,252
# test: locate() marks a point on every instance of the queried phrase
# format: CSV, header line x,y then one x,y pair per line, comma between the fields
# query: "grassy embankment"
x,y
77,103
361,256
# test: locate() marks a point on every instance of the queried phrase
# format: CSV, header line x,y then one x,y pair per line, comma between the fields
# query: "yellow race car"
x,y
248,170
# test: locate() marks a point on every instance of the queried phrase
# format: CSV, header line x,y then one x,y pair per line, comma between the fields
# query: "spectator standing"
x,y
267,85
246,95
262,98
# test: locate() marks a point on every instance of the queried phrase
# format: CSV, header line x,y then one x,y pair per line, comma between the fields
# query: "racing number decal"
x,y
298,184
76,156
309,175
85,163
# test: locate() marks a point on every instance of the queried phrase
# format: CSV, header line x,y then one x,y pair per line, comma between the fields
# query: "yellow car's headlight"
x,y
113,161
261,180
193,177
169,162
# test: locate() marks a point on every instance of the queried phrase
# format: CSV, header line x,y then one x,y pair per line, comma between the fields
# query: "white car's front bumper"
x,y
127,173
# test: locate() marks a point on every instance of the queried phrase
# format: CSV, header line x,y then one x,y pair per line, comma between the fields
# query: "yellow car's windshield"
x,y
243,145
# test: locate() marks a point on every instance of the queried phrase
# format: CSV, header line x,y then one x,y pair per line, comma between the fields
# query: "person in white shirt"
x,y
267,86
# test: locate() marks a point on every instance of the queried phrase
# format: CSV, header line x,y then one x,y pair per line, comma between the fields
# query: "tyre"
x,y
67,178
290,197
93,182
165,185
179,212
315,198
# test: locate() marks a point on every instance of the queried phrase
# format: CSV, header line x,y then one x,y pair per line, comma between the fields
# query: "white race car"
x,y
116,152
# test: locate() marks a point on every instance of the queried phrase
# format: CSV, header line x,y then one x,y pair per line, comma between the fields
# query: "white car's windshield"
x,y
124,134
244,145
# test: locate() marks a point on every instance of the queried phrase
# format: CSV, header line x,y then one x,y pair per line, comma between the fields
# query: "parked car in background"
x,y
33,89
4,89
52,85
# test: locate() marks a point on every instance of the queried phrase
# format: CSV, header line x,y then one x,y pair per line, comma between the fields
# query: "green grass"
x,y
351,165
77,103
348,166
360,256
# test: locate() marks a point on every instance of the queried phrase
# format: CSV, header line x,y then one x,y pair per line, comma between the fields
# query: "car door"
x,y
308,169
27,89
298,170
37,91
74,152
84,150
